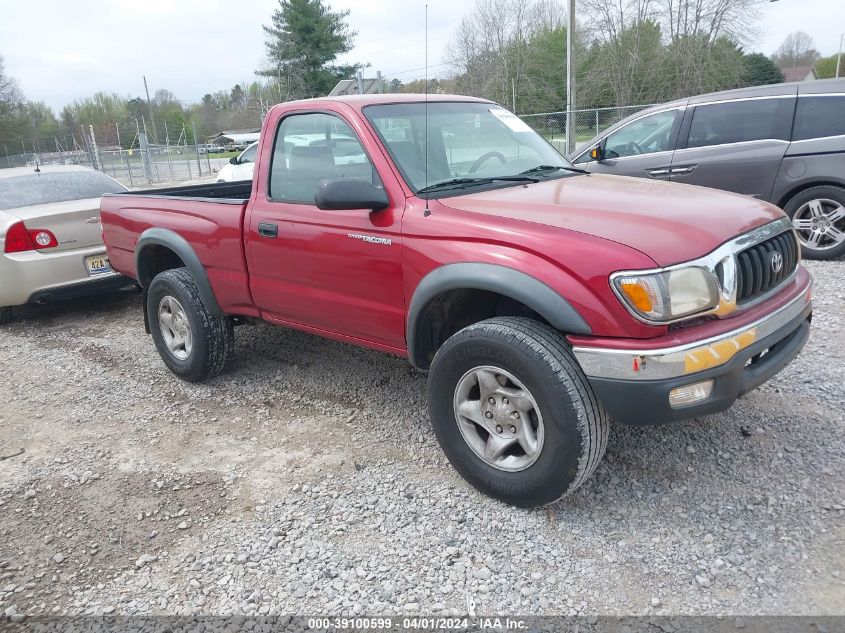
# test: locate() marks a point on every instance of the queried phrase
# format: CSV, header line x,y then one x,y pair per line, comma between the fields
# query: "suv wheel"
x,y
513,411
193,343
5,315
818,215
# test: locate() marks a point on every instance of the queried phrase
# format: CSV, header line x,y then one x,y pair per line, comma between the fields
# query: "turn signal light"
x,y
638,295
19,239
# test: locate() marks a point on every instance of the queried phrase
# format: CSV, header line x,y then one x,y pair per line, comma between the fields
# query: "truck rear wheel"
x,y
5,315
193,343
514,413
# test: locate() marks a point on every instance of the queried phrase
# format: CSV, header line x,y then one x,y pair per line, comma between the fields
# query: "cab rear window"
x,y
50,187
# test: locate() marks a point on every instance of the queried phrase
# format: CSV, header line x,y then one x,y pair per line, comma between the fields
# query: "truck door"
x,y
641,148
329,271
734,145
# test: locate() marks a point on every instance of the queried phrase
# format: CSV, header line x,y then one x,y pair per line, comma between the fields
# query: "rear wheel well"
x,y
794,192
155,259
452,311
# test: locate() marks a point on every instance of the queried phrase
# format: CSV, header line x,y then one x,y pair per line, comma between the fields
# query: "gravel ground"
x,y
307,480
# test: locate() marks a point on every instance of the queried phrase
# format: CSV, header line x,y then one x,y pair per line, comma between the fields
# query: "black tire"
x,y
575,425
5,315
213,337
825,192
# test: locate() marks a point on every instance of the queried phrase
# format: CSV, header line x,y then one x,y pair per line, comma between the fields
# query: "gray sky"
x,y
60,50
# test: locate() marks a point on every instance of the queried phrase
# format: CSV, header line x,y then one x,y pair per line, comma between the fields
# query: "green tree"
x,y
304,40
826,67
760,70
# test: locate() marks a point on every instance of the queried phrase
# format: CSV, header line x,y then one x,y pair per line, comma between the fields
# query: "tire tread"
x,y
218,336
549,346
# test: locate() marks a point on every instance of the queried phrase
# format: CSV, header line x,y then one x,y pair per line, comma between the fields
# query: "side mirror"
x,y
234,161
597,153
346,193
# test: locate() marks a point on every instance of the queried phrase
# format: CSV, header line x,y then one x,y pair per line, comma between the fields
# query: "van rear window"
x,y
819,116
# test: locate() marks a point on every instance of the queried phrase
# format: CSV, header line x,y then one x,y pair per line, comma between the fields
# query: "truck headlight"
x,y
669,295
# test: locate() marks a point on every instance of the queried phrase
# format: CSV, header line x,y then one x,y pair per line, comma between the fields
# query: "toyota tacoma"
x,y
541,300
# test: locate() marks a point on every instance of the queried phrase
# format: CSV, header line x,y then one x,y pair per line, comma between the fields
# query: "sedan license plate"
x,y
97,264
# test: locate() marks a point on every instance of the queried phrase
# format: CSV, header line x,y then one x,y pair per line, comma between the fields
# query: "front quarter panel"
x,y
574,265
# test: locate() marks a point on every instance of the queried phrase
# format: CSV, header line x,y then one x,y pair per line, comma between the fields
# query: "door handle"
x,y
658,171
687,169
268,229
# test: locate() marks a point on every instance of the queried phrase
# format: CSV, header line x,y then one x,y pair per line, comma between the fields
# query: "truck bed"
x,y
238,191
208,216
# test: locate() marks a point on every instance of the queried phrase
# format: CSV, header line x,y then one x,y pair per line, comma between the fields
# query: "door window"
x,y
740,121
249,155
652,133
314,147
817,117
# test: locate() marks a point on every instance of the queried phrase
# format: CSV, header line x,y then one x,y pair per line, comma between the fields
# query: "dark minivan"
x,y
782,143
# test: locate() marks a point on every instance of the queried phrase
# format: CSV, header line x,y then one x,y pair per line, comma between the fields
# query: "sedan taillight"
x,y
20,239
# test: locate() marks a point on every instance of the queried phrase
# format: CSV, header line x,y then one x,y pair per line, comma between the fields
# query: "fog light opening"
x,y
690,394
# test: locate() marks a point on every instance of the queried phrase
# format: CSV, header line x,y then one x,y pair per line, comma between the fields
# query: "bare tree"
x,y
10,95
653,50
797,49
710,19
490,50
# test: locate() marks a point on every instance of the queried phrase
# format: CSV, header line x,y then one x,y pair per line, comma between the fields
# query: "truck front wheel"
x,y
194,343
513,411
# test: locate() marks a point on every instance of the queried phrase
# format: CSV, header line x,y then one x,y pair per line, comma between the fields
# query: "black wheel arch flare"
x,y
502,280
179,245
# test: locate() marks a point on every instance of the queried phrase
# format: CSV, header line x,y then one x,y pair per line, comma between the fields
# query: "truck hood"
x,y
669,222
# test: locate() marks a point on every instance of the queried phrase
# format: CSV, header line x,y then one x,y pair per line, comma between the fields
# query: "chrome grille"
x,y
755,273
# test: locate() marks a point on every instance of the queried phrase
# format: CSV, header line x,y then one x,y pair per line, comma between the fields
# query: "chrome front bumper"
x,y
688,359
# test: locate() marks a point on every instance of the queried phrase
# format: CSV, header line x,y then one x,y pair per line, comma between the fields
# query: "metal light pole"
x,y
839,56
570,78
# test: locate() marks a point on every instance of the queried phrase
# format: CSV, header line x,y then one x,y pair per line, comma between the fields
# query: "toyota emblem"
x,y
777,262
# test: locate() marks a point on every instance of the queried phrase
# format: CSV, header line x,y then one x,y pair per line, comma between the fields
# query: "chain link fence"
x,y
145,163
141,164
587,123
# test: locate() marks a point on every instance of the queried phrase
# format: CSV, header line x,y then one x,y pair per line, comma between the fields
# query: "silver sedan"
x,y
51,244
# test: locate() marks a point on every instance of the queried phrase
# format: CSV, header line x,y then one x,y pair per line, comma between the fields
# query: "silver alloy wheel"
x,y
499,418
820,224
175,327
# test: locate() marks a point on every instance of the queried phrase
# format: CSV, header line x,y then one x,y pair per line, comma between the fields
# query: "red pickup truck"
x,y
542,300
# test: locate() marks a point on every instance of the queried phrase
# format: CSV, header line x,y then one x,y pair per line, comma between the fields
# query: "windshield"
x,y
476,142
48,187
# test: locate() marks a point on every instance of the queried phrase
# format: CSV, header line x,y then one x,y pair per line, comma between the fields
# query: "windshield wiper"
x,y
541,168
456,183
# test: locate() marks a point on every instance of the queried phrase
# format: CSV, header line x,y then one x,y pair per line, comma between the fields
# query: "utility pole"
x,y
196,147
839,56
570,78
150,108
378,78
360,79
